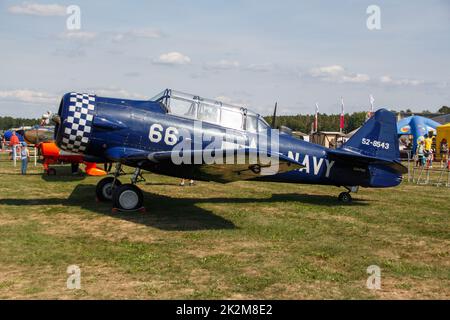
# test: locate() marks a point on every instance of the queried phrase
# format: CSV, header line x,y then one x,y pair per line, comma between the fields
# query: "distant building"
x,y
328,139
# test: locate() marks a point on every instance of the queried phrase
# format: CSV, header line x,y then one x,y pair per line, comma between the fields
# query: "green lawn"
x,y
240,240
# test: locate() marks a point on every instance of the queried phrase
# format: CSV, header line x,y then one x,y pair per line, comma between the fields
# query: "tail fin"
x,y
377,137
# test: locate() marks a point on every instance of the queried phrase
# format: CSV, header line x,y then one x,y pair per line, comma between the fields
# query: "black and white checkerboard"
x,y
78,124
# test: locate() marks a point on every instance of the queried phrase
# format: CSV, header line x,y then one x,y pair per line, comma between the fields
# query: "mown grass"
x,y
239,240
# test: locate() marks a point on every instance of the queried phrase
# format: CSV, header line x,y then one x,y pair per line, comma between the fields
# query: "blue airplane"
x,y
155,135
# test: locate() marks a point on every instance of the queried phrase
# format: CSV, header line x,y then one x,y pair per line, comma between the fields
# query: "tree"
x,y
444,109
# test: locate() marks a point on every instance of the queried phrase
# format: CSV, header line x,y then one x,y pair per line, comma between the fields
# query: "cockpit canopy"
x,y
198,108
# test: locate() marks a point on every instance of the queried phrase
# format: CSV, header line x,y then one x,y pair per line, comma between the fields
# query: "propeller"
x,y
274,118
56,119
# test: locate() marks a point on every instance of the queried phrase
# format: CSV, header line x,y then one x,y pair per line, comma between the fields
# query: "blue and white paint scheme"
x,y
144,135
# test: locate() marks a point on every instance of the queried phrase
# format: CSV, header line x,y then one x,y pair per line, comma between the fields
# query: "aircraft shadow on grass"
x,y
171,213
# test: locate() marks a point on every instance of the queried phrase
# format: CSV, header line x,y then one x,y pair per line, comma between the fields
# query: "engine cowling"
x,y
76,113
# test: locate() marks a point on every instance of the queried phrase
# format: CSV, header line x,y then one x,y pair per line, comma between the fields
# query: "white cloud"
x,y
329,71
388,80
222,65
137,33
37,9
357,78
29,96
172,58
78,35
265,67
337,73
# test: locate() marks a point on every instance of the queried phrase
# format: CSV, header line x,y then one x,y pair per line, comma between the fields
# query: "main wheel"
x,y
104,189
345,197
128,197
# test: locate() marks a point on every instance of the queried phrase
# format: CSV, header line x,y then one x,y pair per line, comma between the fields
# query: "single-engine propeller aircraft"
x,y
178,134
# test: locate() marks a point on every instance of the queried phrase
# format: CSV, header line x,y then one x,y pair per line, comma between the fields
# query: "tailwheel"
x,y
128,197
345,197
105,188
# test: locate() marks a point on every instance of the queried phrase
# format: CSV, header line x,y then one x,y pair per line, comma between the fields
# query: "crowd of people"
x,y
19,151
425,154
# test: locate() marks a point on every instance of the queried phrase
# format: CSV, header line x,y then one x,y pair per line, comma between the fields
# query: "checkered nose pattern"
x,y
78,124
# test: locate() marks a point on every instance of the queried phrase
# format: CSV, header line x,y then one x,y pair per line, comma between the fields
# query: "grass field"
x,y
241,240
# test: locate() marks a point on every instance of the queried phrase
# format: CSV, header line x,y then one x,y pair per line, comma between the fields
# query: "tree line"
x,y
326,122
10,122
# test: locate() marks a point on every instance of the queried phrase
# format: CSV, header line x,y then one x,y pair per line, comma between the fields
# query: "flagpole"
x,y
341,118
316,118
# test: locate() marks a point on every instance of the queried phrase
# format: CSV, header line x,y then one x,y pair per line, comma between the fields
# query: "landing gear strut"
x,y
345,197
106,186
128,197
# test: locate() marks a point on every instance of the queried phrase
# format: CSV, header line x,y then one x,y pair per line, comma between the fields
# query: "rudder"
x,y
377,137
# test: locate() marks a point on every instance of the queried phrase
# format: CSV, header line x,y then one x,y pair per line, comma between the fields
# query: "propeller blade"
x,y
56,119
274,118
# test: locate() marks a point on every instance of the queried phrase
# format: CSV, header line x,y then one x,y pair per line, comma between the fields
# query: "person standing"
x,y
444,153
24,156
428,150
14,143
420,152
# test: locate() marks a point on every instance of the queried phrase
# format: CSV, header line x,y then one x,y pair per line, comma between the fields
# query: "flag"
x,y
370,113
342,120
316,118
372,100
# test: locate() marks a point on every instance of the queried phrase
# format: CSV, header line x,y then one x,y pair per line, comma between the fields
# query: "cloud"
x,y
265,67
388,80
338,74
222,65
29,96
172,58
37,9
78,35
136,34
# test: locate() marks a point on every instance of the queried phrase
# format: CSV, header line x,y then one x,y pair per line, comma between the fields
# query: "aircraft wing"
x,y
358,158
230,165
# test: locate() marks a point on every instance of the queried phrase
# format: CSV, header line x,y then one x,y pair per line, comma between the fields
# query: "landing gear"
x,y
129,197
345,197
105,187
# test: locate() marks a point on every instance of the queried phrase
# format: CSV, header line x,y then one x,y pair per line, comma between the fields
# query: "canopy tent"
x,y
443,132
416,126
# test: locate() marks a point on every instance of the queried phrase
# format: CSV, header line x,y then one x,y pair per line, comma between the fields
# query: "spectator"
x,y
444,153
14,143
24,156
428,150
420,152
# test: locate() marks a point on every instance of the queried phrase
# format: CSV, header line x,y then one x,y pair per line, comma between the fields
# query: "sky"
x,y
246,52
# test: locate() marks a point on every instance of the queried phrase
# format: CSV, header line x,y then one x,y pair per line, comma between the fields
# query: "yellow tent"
x,y
443,132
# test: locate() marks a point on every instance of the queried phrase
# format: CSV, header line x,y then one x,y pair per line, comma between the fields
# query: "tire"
x,y
128,197
104,189
345,197
51,172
